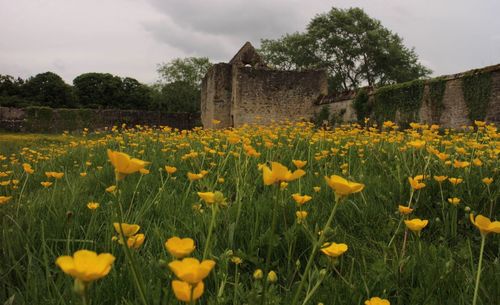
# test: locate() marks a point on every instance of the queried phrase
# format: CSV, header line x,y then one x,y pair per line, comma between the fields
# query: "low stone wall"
x,y
47,120
453,111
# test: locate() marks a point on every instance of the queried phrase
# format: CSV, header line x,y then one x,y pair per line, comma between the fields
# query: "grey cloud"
x,y
129,37
218,28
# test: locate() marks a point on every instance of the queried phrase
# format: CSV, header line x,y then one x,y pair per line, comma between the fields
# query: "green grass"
x,y
40,224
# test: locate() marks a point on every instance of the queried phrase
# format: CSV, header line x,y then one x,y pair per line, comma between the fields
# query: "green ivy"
x,y
477,91
323,115
404,98
437,86
361,105
38,118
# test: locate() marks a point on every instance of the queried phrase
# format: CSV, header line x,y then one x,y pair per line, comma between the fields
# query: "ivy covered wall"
x,y
451,101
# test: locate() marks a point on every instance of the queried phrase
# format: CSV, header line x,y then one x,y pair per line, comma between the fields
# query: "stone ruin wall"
x,y
216,96
455,113
246,91
263,95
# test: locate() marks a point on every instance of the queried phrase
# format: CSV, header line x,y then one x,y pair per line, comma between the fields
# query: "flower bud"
x,y
258,274
272,277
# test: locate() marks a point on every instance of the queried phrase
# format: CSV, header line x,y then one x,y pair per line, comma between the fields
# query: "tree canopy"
x,y
190,70
179,89
352,47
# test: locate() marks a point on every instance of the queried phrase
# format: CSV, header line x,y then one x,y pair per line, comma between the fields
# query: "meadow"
x,y
282,214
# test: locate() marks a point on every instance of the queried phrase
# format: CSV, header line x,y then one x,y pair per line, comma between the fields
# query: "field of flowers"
x,y
283,214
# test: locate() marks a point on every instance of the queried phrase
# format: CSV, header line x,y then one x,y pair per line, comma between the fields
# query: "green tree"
x,y
179,89
189,70
11,92
48,89
10,86
134,94
98,90
354,48
178,96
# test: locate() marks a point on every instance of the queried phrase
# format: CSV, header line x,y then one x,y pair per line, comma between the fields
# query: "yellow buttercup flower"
x,y
301,216
317,189
191,270
455,201
333,249
46,183
125,165
93,205
186,292
299,163
5,199
460,164
301,199
236,260
111,189
415,183
208,197
377,301
440,178
180,247
417,144
170,169
479,123
416,225
388,124
487,180
279,173
86,265
135,241
55,175
128,229
455,181
194,177
404,210
28,169
485,225
343,187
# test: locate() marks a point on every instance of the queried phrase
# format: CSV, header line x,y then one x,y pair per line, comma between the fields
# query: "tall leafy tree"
x,y
179,89
48,89
189,70
354,48
99,90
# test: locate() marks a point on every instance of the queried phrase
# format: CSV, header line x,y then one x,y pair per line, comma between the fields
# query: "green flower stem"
x,y
210,230
314,250
236,282
191,301
133,196
270,248
128,255
313,290
479,266
21,194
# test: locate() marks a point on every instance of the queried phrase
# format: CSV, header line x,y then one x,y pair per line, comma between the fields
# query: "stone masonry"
x,y
246,91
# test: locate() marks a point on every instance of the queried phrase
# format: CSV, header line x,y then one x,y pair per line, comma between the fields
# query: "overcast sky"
x,y
130,37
